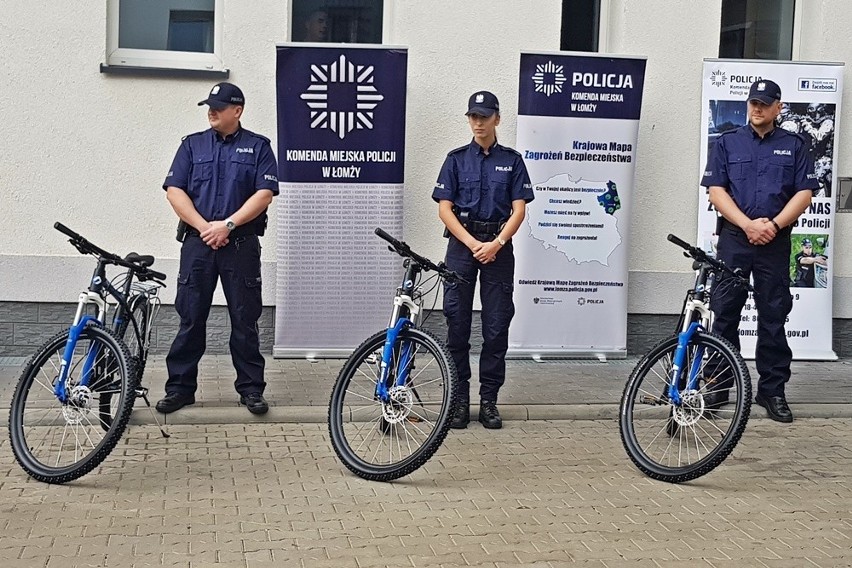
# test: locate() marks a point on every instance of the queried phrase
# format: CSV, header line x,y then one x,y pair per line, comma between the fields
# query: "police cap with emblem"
x,y
766,91
222,95
482,103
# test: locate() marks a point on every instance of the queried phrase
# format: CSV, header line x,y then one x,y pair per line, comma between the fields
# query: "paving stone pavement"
x,y
298,389
535,494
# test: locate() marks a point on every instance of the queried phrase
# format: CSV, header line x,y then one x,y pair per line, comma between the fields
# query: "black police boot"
x,y
776,407
489,415
255,403
174,401
460,417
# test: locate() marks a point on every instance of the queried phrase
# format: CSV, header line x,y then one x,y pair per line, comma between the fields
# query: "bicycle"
x,y
75,396
677,420
391,403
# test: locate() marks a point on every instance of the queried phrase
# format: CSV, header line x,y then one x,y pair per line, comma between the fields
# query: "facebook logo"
x,y
805,84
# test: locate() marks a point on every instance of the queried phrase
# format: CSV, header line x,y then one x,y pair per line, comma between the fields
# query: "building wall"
x,y
91,149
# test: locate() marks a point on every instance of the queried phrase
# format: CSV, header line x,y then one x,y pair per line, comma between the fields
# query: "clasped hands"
x,y
760,231
485,252
215,235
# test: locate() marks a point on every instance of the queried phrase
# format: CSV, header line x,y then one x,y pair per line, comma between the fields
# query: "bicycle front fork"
x,y
683,340
388,363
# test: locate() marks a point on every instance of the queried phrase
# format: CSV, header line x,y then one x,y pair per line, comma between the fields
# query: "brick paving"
x,y
535,494
298,390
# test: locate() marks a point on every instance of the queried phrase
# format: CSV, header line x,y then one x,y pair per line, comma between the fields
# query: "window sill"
x,y
164,72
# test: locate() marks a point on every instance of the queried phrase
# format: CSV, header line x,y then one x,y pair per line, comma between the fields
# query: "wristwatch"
x,y
501,241
230,224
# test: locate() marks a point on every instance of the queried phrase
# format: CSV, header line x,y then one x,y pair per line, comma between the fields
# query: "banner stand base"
x,y
305,353
806,355
542,354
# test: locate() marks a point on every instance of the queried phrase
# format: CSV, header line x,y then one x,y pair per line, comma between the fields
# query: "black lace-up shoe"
x,y
461,415
714,400
776,407
489,415
255,403
174,401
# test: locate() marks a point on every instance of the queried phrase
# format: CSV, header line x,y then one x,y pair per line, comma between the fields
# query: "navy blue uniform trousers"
x,y
495,293
238,266
769,266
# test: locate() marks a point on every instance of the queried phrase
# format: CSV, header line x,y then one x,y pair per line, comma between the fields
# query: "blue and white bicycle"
x,y
390,406
687,402
75,396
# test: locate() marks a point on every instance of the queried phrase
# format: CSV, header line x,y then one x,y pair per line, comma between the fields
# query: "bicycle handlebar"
x,y
701,256
402,249
87,247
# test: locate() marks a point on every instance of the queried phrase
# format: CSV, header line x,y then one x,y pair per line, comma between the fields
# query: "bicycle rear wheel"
x,y
680,443
384,441
58,442
139,308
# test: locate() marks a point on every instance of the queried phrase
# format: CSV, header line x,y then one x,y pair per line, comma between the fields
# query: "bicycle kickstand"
x,y
142,392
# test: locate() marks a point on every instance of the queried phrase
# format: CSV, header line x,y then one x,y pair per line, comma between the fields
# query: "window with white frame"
x,y
584,25
344,21
165,34
757,29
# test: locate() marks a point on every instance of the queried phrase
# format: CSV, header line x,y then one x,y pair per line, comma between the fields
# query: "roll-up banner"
x,y
341,156
811,95
578,124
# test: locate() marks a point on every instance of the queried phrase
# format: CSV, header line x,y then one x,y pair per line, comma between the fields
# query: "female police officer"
x,y
482,192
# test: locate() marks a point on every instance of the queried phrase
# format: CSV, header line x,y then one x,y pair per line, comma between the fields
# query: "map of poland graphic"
x,y
577,218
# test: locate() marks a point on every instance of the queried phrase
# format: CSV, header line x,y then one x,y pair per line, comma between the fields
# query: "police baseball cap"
x,y
765,91
806,242
482,103
222,95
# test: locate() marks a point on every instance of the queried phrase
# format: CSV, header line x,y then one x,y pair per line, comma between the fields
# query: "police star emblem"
x,y
342,122
548,78
718,78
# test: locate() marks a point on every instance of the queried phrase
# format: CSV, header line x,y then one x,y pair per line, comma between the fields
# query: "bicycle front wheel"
x,y
381,441
57,442
677,443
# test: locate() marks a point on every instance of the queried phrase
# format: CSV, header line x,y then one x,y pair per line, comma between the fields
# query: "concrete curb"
x,y
212,414
509,412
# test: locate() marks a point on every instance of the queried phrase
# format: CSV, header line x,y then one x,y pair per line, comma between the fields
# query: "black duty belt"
x,y
730,226
486,227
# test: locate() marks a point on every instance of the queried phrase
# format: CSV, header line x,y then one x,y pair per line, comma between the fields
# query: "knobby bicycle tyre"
x,y
678,444
55,442
382,442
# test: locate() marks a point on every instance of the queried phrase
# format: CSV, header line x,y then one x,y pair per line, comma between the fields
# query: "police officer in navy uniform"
x,y
220,184
482,192
806,262
760,179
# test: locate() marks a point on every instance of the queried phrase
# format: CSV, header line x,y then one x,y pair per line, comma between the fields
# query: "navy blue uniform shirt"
x,y
221,175
484,185
761,174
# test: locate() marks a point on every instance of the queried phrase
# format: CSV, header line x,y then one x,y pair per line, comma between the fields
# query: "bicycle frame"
x,y
696,316
405,313
96,295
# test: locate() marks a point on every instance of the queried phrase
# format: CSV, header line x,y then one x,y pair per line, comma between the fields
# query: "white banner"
x,y
578,123
811,93
341,160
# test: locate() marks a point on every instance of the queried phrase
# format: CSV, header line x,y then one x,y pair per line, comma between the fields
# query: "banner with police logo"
x,y
811,96
578,124
341,150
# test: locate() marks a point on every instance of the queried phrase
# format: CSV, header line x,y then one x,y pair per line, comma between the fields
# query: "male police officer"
x,y
220,184
482,192
806,262
760,179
